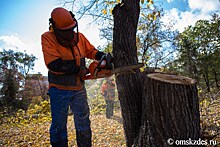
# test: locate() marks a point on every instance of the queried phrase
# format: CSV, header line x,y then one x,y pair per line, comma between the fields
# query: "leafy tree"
x,y
25,63
9,82
35,89
154,38
14,67
198,48
9,91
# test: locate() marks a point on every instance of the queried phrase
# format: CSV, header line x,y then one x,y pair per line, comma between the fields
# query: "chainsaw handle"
x,y
100,61
99,64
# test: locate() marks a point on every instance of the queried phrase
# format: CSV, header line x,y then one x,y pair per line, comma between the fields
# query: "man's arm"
x,y
64,66
53,59
90,50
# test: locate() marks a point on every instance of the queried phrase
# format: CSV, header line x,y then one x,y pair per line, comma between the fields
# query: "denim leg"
x,y
80,109
108,109
59,101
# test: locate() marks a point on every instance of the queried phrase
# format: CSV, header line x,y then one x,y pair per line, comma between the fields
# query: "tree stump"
x,y
170,111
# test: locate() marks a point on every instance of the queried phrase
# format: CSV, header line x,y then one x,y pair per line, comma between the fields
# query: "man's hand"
x,y
83,71
109,60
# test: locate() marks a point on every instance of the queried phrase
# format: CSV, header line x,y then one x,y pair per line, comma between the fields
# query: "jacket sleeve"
x,y
64,66
53,59
49,48
90,50
103,89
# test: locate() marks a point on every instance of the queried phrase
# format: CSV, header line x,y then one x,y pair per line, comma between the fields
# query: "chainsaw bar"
x,y
106,73
126,69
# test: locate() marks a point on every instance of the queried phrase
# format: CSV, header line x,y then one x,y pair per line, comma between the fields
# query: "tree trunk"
x,y
170,111
206,78
215,77
129,86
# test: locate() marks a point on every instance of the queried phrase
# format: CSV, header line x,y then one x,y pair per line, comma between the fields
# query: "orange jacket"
x,y
52,51
108,90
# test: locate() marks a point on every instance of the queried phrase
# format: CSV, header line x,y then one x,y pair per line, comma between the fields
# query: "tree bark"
x,y
215,77
129,86
170,111
206,79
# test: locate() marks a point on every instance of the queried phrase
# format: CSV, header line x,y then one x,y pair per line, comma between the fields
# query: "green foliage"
x,y
43,108
97,105
19,61
108,48
36,113
9,90
199,51
14,67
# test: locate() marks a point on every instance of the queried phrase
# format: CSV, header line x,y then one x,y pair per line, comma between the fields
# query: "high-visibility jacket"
x,y
52,51
108,90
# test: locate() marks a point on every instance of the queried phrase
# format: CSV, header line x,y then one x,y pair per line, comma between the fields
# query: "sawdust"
x,y
174,79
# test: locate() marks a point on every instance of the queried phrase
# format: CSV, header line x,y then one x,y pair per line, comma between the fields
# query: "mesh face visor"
x,y
68,36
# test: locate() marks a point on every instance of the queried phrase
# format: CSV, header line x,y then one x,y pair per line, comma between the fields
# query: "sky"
x,y
23,22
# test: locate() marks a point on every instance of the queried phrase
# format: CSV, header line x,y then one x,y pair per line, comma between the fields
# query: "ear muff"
x,y
51,24
73,16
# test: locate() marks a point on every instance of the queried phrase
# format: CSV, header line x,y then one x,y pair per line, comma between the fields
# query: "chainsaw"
x,y
105,68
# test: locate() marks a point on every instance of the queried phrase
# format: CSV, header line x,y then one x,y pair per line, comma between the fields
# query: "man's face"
x,y
67,34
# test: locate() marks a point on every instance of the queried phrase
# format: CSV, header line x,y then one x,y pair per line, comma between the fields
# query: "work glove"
x,y
109,61
83,71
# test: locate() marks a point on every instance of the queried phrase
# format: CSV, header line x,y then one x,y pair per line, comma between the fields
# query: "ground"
x,y
33,131
106,133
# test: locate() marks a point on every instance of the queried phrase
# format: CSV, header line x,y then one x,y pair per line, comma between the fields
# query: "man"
x,y
108,91
64,53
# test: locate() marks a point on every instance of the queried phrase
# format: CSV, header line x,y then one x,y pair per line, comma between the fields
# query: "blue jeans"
x,y
60,101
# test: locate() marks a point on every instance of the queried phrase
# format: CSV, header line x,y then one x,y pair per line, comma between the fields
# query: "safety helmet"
x,y
62,19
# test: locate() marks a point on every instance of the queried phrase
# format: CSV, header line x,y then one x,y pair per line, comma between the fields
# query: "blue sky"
x,y
181,5
23,22
20,16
